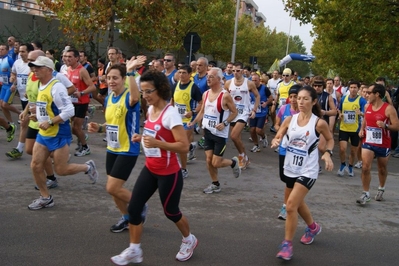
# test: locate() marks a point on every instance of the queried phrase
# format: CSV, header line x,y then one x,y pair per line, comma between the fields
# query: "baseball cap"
x,y
150,63
42,61
294,89
287,71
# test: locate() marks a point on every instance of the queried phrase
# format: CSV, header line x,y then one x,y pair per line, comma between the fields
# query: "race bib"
x,y
41,112
113,136
181,109
295,159
374,135
283,101
258,110
22,80
150,152
209,121
4,79
240,108
74,99
349,117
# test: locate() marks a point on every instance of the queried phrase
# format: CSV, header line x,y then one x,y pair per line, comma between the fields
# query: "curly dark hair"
x,y
160,82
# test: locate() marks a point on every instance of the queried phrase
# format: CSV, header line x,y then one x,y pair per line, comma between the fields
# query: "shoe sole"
x,y
362,202
136,261
42,207
283,258
281,218
120,230
191,254
213,191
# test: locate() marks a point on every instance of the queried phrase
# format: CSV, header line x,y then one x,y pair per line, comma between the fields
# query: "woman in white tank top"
x,y
300,134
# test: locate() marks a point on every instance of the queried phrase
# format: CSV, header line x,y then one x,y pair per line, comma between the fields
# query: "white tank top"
x,y
302,157
214,114
241,98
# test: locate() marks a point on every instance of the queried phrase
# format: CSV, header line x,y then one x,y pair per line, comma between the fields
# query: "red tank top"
x,y
80,85
160,162
374,135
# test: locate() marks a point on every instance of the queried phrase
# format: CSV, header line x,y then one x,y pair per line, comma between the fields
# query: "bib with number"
x,y
240,108
22,79
374,135
113,136
181,109
41,112
295,159
4,79
150,152
349,117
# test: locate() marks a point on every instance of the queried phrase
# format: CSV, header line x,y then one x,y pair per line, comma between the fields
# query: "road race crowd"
x,y
178,101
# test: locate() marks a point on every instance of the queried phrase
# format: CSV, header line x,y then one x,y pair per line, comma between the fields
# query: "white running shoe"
x,y
187,249
127,256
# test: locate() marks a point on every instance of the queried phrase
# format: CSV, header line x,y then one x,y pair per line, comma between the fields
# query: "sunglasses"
x,y
317,85
285,75
168,60
369,92
237,70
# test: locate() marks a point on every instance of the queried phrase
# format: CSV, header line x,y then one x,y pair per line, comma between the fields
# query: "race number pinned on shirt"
x,y
4,79
150,152
295,159
74,99
181,109
374,135
113,136
41,112
349,117
240,108
282,101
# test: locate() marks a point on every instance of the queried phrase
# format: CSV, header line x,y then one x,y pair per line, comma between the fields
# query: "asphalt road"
x,y
237,226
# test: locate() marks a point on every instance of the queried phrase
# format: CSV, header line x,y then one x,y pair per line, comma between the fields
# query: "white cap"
x,y
42,61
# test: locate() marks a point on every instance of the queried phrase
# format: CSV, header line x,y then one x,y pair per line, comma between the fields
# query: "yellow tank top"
x,y
182,99
115,117
283,91
45,110
350,121
32,89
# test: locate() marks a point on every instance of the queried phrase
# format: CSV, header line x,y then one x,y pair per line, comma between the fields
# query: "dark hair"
x,y
238,64
159,81
38,44
247,68
213,63
354,82
29,47
380,79
378,88
294,89
328,79
316,109
101,60
51,51
74,51
170,54
187,68
6,45
120,67
117,51
83,52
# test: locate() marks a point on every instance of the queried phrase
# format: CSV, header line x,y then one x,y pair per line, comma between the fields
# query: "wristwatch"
x,y
386,126
225,123
130,74
50,122
82,93
330,152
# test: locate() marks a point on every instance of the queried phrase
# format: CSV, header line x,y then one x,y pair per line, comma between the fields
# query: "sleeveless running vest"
x,y
241,98
182,100
214,114
74,77
350,122
376,136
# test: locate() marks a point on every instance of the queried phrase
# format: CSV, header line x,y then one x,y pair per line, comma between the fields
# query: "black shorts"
x,y
238,121
119,166
32,133
305,181
353,136
281,159
81,110
24,104
103,92
214,143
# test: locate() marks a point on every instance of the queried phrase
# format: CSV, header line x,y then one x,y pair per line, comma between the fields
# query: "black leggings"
x,y
169,187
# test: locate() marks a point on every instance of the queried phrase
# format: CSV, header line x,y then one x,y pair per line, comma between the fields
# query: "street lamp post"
x,y
233,51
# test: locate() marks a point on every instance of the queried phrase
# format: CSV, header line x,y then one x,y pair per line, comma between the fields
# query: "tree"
x,y
355,38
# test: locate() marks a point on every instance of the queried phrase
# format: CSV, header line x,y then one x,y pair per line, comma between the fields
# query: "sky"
x,y
278,18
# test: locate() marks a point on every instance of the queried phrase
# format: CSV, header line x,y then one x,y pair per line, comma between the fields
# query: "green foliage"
x,y
355,38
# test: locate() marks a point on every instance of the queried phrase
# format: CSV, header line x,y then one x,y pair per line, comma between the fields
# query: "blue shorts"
x,y
53,143
258,122
378,151
6,95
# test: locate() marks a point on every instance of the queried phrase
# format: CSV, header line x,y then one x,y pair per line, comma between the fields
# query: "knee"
x,y
111,189
291,207
259,131
61,171
173,217
36,166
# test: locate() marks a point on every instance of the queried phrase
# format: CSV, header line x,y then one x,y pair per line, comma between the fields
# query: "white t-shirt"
x,y
21,70
171,118
272,85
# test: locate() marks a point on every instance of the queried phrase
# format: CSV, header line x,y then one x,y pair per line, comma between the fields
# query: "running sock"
x,y
51,177
288,241
189,238
381,188
343,164
20,146
350,166
233,163
84,146
367,193
191,146
216,183
312,226
125,217
9,128
134,246
241,154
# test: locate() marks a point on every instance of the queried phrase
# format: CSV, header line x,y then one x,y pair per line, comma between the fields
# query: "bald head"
x,y
35,54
